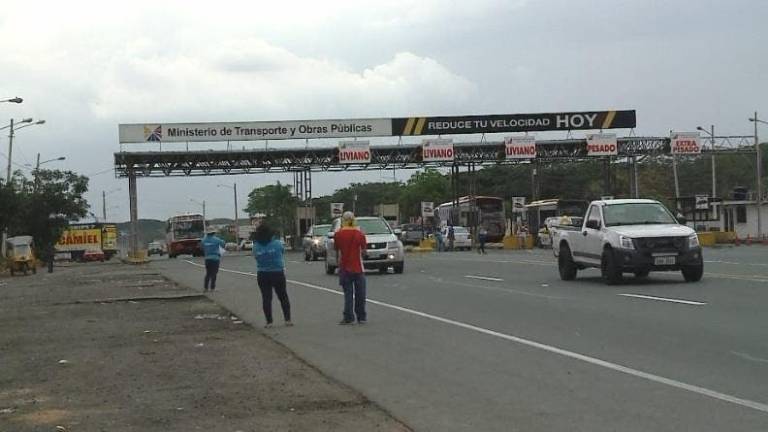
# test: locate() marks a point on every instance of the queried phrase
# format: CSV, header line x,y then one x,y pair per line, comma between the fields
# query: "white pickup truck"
x,y
628,236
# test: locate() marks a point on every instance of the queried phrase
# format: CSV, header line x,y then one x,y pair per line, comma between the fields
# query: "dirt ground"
x,y
114,347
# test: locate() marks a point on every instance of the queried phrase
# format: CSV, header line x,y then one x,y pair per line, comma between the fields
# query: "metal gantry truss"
x,y
253,161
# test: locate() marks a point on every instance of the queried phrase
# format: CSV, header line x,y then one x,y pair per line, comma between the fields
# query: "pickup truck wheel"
x,y
611,272
306,255
693,273
399,268
565,264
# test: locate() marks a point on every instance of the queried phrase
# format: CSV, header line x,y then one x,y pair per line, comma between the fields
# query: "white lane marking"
x,y
488,278
734,263
496,288
549,348
750,278
746,356
664,299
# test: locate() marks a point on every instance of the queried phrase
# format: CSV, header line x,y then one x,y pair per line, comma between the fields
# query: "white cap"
x,y
210,230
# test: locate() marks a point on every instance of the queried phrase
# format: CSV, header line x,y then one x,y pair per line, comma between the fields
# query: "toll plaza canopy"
x,y
360,155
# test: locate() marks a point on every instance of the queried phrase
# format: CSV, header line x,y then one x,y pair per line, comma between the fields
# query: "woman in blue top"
x,y
270,272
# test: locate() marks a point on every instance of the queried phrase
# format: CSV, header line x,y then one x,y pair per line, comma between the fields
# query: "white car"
x,y
246,245
462,239
383,249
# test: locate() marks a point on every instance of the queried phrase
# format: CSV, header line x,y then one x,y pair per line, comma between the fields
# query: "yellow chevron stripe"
x,y
420,126
608,119
408,126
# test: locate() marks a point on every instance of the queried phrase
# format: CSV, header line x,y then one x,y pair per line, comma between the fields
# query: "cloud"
x,y
259,80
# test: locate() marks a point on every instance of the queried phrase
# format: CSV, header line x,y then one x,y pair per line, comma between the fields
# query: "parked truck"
x,y
77,239
628,236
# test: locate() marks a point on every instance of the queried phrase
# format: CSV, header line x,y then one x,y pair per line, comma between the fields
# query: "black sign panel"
x,y
513,123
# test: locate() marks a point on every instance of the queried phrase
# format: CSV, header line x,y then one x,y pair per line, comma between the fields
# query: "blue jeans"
x,y
353,285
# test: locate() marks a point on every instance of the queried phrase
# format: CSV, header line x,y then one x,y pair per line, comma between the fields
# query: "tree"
x,y
276,203
46,204
427,185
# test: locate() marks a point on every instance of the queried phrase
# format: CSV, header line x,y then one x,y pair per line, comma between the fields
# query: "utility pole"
x,y
103,204
714,178
759,181
10,154
237,220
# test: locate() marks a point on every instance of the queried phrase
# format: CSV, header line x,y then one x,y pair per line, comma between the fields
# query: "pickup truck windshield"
x,y
373,226
637,214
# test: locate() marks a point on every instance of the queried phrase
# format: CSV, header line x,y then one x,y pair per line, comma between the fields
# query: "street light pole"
x,y
711,133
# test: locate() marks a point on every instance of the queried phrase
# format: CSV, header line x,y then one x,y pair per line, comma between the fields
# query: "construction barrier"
x,y
518,242
724,237
139,258
427,243
707,238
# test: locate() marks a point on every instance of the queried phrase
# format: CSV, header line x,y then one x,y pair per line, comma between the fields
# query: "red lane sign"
x,y
437,150
602,145
354,152
685,143
520,147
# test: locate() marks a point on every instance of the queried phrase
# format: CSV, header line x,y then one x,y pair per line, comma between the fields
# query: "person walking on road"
x,y
451,237
439,239
268,251
350,243
482,236
212,246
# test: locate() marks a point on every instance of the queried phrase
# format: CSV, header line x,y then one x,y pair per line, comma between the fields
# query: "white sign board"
x,y
702,202
518,204
427,209
354,152
252,131
437,150
520,147
337,209
602,145
685,143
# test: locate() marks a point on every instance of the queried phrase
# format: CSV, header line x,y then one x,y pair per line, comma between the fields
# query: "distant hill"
x,y
149,229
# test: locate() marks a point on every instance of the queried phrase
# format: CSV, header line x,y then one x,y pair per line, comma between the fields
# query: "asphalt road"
x,y
499,343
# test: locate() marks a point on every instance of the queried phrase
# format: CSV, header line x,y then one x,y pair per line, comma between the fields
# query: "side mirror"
x,y
681,220
593,224
398,231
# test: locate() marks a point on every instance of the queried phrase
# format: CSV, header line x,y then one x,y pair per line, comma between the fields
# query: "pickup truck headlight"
x,y
693,241
393,244
626,243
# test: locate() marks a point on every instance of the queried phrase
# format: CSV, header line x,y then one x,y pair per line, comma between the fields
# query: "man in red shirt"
x,y
350,243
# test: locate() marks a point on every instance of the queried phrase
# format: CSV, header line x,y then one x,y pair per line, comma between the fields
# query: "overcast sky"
x,y
86,67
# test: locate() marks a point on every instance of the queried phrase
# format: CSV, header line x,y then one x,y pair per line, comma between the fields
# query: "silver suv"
x,y
383,249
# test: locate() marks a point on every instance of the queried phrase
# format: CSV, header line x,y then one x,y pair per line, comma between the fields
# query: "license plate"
x,y
664,260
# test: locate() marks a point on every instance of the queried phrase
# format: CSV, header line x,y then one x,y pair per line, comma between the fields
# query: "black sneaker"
x,y
345,322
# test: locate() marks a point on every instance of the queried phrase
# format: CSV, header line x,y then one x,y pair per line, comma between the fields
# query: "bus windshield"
x,y
490,204
188,229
